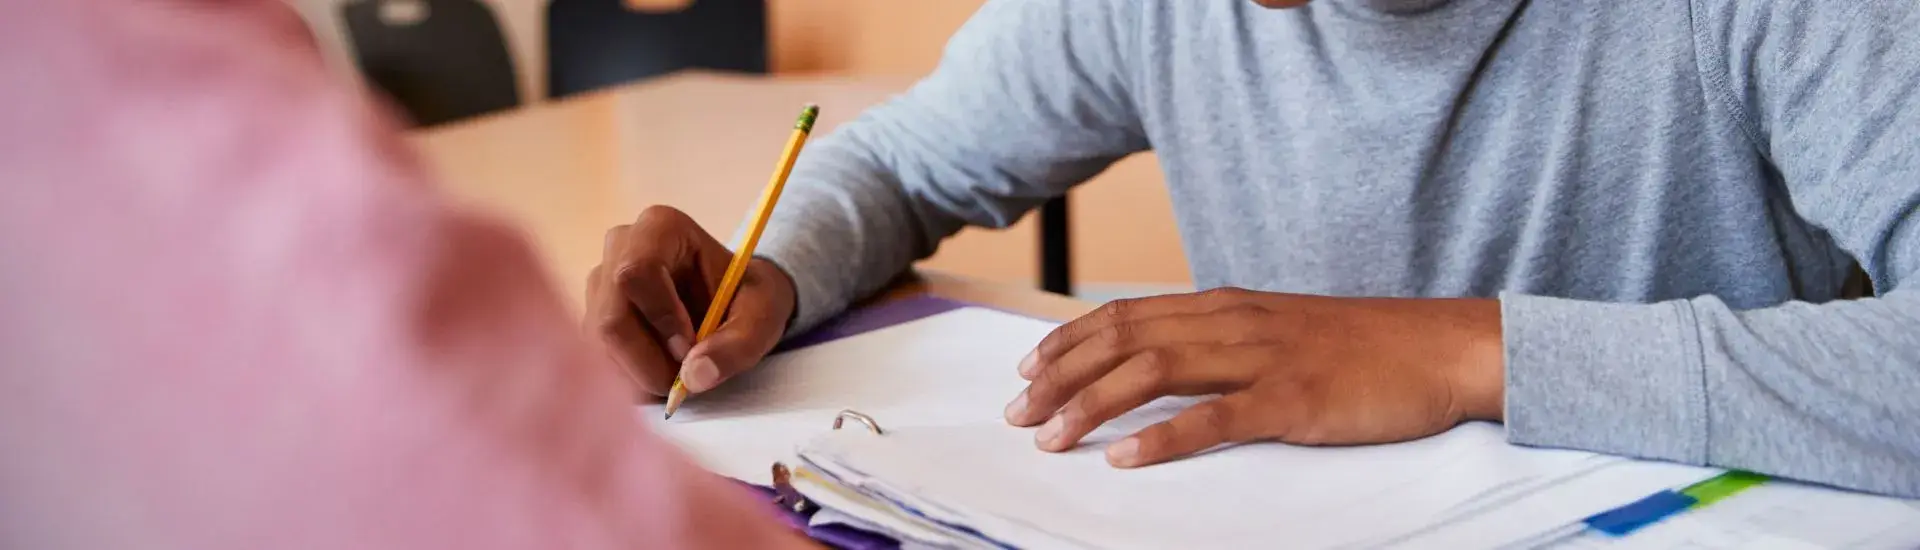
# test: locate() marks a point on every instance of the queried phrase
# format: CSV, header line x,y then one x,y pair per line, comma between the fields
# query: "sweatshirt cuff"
x,y
1620,379
814,300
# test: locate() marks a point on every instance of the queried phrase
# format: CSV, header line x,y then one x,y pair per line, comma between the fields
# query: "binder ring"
x,y
784,493
857,417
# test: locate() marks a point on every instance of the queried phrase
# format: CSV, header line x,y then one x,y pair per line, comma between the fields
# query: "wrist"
x,y
1479,374
785,289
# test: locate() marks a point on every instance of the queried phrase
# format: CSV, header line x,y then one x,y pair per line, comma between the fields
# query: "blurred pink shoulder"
x,y
237,315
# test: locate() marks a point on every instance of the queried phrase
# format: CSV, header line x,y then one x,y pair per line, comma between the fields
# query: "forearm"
x,y
844,228
1029,100
1821,393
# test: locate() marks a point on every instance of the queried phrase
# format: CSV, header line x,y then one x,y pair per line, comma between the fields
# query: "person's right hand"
x,y
652,288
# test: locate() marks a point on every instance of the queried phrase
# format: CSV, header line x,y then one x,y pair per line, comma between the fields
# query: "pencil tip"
x,y
674,399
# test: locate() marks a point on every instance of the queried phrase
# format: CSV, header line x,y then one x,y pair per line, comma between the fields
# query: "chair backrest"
x,y
441,60
597,43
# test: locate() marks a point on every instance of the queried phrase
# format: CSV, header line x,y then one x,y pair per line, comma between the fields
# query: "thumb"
x,y
753,326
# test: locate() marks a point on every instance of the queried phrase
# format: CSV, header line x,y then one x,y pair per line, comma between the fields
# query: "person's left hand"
x,y
1307,370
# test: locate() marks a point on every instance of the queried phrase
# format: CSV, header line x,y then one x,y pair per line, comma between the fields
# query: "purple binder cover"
x,y
837,536
869,319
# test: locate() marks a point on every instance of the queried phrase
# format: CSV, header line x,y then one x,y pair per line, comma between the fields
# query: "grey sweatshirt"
x,y
1666,196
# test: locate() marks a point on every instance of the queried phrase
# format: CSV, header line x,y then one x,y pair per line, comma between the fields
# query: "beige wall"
x,y
1122,225
815,36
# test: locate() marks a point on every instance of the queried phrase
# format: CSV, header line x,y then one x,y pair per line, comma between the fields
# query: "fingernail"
x,y
1124,453
702,374
1027,364
677,346
1049,431
1018,408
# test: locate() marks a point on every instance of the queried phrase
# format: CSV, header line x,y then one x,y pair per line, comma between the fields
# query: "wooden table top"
x,y
565,171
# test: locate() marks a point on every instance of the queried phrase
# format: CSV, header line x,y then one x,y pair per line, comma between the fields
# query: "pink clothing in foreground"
x,y
234,315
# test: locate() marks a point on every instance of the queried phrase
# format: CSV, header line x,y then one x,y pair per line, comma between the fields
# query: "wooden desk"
x,y
566,171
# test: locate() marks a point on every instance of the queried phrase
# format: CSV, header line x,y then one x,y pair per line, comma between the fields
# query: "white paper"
x,y
991,477
879,519
1534,516
950,376
956,367
1778,514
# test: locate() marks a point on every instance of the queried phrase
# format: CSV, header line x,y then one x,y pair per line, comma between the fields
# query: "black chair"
x,y
440,60
597,43
592,44
1056,273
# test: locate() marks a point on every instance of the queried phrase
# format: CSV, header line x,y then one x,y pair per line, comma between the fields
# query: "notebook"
x,y
953,367
945,470
983,485
1776,514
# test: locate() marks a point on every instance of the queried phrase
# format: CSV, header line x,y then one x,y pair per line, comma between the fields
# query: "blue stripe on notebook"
x,y
1625,519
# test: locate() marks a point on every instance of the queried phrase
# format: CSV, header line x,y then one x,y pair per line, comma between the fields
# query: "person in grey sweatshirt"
x,y
1623,227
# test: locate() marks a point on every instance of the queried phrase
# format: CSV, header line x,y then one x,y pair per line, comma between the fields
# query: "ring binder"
x,y
857,417
785,494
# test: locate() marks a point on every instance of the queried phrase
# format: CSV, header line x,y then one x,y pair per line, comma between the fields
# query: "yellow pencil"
x,y
730,283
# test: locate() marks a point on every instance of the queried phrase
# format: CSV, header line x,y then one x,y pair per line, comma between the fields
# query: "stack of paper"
x,y
949,472
986,485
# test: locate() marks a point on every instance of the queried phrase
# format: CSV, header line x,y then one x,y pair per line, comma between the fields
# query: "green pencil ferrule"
x,y
805,124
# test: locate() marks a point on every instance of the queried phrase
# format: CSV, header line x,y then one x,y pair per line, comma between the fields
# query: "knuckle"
x,y
614,233
633,273
1244,309
1112,339
1050,345
1225,296
611,328
1075,412
661,321
628,275
1156,367
1294,415
661,215
1043,386
1288,383
1156,439
1119,310
1048,396
1214,416
658,312
1249,323
661,224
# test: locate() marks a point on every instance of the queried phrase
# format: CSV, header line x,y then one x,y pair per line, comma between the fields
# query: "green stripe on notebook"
x,y
1721,487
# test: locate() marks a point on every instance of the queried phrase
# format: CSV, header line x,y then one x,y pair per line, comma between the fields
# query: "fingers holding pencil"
x,y
737,270
663,275
652,289
752,327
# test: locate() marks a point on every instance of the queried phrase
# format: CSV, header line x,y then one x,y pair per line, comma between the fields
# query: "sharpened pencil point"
x,y
674,398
